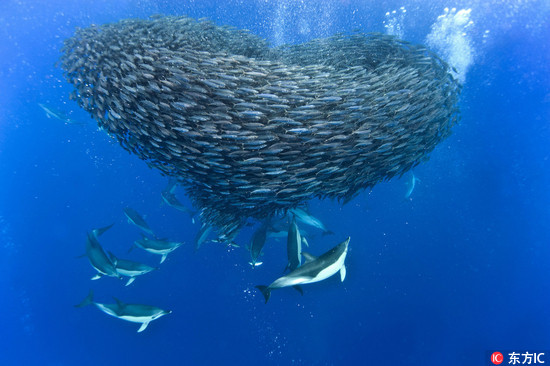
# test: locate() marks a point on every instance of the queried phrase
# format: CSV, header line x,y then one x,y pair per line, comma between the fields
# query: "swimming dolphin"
x,y
293,246
308,219
203,233
102,263
135,218
314,270
132,269
410,185
135,313
60,115
171,200
157,246
257,244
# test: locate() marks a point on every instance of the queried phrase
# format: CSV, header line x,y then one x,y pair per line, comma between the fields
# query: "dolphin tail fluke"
x,y
101,230
266,291
299,289
87,301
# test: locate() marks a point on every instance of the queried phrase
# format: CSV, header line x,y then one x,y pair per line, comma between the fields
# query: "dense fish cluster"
x,y
249,130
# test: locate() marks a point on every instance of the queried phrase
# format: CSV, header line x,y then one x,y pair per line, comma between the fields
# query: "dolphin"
x,y
171,200
410,185
131,269
135,313
257,244
308,219
203,233
157,246
314,270
102,263
293,246
135,218
60,115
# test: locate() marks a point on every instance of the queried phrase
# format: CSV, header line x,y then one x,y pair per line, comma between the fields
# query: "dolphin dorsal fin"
x,y
119,303
309,257
113,258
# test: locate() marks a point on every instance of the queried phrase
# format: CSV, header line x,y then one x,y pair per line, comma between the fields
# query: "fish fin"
x,y
342,273
87,301
143,326
266,291
130,280
299,289
163,258
309,257
97,276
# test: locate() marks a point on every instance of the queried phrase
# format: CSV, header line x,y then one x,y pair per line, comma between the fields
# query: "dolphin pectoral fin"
x,y
299,289
97,277
143,326
309,257
82,256
163,258
327,232
266,291
87,301
342,273
131,248
132,279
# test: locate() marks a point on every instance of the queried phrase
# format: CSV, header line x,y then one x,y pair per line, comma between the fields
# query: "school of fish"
x,y
252,131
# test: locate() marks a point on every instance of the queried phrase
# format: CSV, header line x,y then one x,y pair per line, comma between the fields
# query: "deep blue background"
x,y
460,269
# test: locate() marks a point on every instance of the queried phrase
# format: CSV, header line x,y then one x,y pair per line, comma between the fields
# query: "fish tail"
x,y
87,301
266,291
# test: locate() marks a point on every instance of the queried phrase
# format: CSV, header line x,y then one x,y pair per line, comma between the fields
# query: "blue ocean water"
x,y
458,269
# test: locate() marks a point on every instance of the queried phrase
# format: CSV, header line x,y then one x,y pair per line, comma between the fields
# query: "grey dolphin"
x,y
202,235
411,185
157,246
132,269
101,262
135,218
306,218
257,244
135,313
314,270
293,246
171,200
60,115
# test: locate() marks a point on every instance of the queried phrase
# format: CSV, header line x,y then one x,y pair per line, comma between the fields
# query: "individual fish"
x,y
157,246
136,219
314,270
136,313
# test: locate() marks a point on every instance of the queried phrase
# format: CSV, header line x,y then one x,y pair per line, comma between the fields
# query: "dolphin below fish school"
x,y
135,313
314,270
